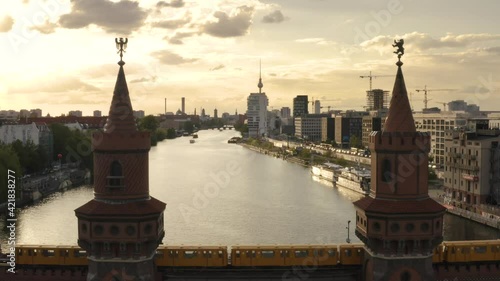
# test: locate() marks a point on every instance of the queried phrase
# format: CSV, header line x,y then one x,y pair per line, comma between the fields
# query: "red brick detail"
x,y
138,208
425,206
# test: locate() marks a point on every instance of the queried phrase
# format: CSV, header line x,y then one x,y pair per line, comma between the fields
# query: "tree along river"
x,y
224,194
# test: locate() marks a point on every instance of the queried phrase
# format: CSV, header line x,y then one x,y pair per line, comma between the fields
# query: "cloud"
x,y
144,79
45,28
72,99
173,4
121,17
492,50
233,25
167,57
47,85
423,41
274,17
317,41
173,24
220,66
6,24
178,36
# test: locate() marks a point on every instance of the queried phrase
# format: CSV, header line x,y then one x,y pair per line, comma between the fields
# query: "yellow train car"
x,y
192,256
163,257
471,251
351,254
326,255
437,254
74,255
258,255
300,255
39,255
50,255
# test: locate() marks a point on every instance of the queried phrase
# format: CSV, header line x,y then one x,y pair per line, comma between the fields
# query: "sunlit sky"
x,y
60,55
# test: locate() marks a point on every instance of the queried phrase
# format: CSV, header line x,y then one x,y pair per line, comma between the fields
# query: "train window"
x,y
190,254
19,252
250,254
173,254
318,253
33,252
331,253
159,254
268,254
64,253
494,249
238,254
348,252
452,250
48,253
80,253
207,254
284,253
480,250
300,253
220,254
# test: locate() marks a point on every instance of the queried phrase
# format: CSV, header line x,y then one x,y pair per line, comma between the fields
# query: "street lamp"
x,y
348,240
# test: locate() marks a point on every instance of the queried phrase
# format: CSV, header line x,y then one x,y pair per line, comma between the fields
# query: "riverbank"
x,y
33,189
485,218
286,157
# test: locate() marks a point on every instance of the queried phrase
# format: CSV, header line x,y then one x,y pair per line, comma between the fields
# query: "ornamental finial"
x,y
121,45
400,51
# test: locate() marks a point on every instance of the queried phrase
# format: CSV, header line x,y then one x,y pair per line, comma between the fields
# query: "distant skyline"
x,y
59,55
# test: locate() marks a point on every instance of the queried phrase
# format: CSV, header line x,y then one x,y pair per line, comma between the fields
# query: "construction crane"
x,y
313,100
425,90
444,104
373,76
326,107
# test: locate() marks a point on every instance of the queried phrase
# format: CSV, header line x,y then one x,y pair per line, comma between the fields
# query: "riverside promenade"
x,y
489,215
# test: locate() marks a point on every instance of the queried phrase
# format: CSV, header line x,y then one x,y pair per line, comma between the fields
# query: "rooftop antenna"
x,y
260,85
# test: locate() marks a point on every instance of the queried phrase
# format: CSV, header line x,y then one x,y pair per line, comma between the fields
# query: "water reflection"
x,y
224,194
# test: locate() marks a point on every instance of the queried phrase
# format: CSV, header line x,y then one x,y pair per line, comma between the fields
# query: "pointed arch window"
x,y
115,178
386,171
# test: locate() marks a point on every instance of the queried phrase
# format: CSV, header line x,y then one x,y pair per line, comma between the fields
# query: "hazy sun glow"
x,y
60,55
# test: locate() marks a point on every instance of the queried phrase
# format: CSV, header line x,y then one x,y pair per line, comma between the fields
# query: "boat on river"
x,y
356,179
327,171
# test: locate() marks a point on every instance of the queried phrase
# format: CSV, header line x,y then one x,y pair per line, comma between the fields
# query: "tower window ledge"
x,y
115,187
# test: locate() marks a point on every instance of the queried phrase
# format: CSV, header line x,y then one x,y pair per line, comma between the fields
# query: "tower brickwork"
x,y
398,222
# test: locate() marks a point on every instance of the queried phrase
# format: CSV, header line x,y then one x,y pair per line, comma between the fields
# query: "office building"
x,y
300,106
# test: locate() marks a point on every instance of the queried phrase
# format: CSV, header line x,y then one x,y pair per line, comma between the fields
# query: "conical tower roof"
x,y
399,117
121,118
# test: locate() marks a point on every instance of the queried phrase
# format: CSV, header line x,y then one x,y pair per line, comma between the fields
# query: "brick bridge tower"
x,y
122,226
398,222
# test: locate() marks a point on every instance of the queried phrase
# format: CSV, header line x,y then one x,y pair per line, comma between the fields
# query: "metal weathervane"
x,y
400,51
121,45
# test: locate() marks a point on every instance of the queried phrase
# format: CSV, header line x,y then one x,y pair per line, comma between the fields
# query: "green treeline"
x,y
72,145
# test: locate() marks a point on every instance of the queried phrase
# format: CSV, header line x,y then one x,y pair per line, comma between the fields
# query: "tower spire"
x,y
260,85
399,117
120,117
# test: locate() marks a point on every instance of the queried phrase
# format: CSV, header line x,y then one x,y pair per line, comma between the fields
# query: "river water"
x,y
224,194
